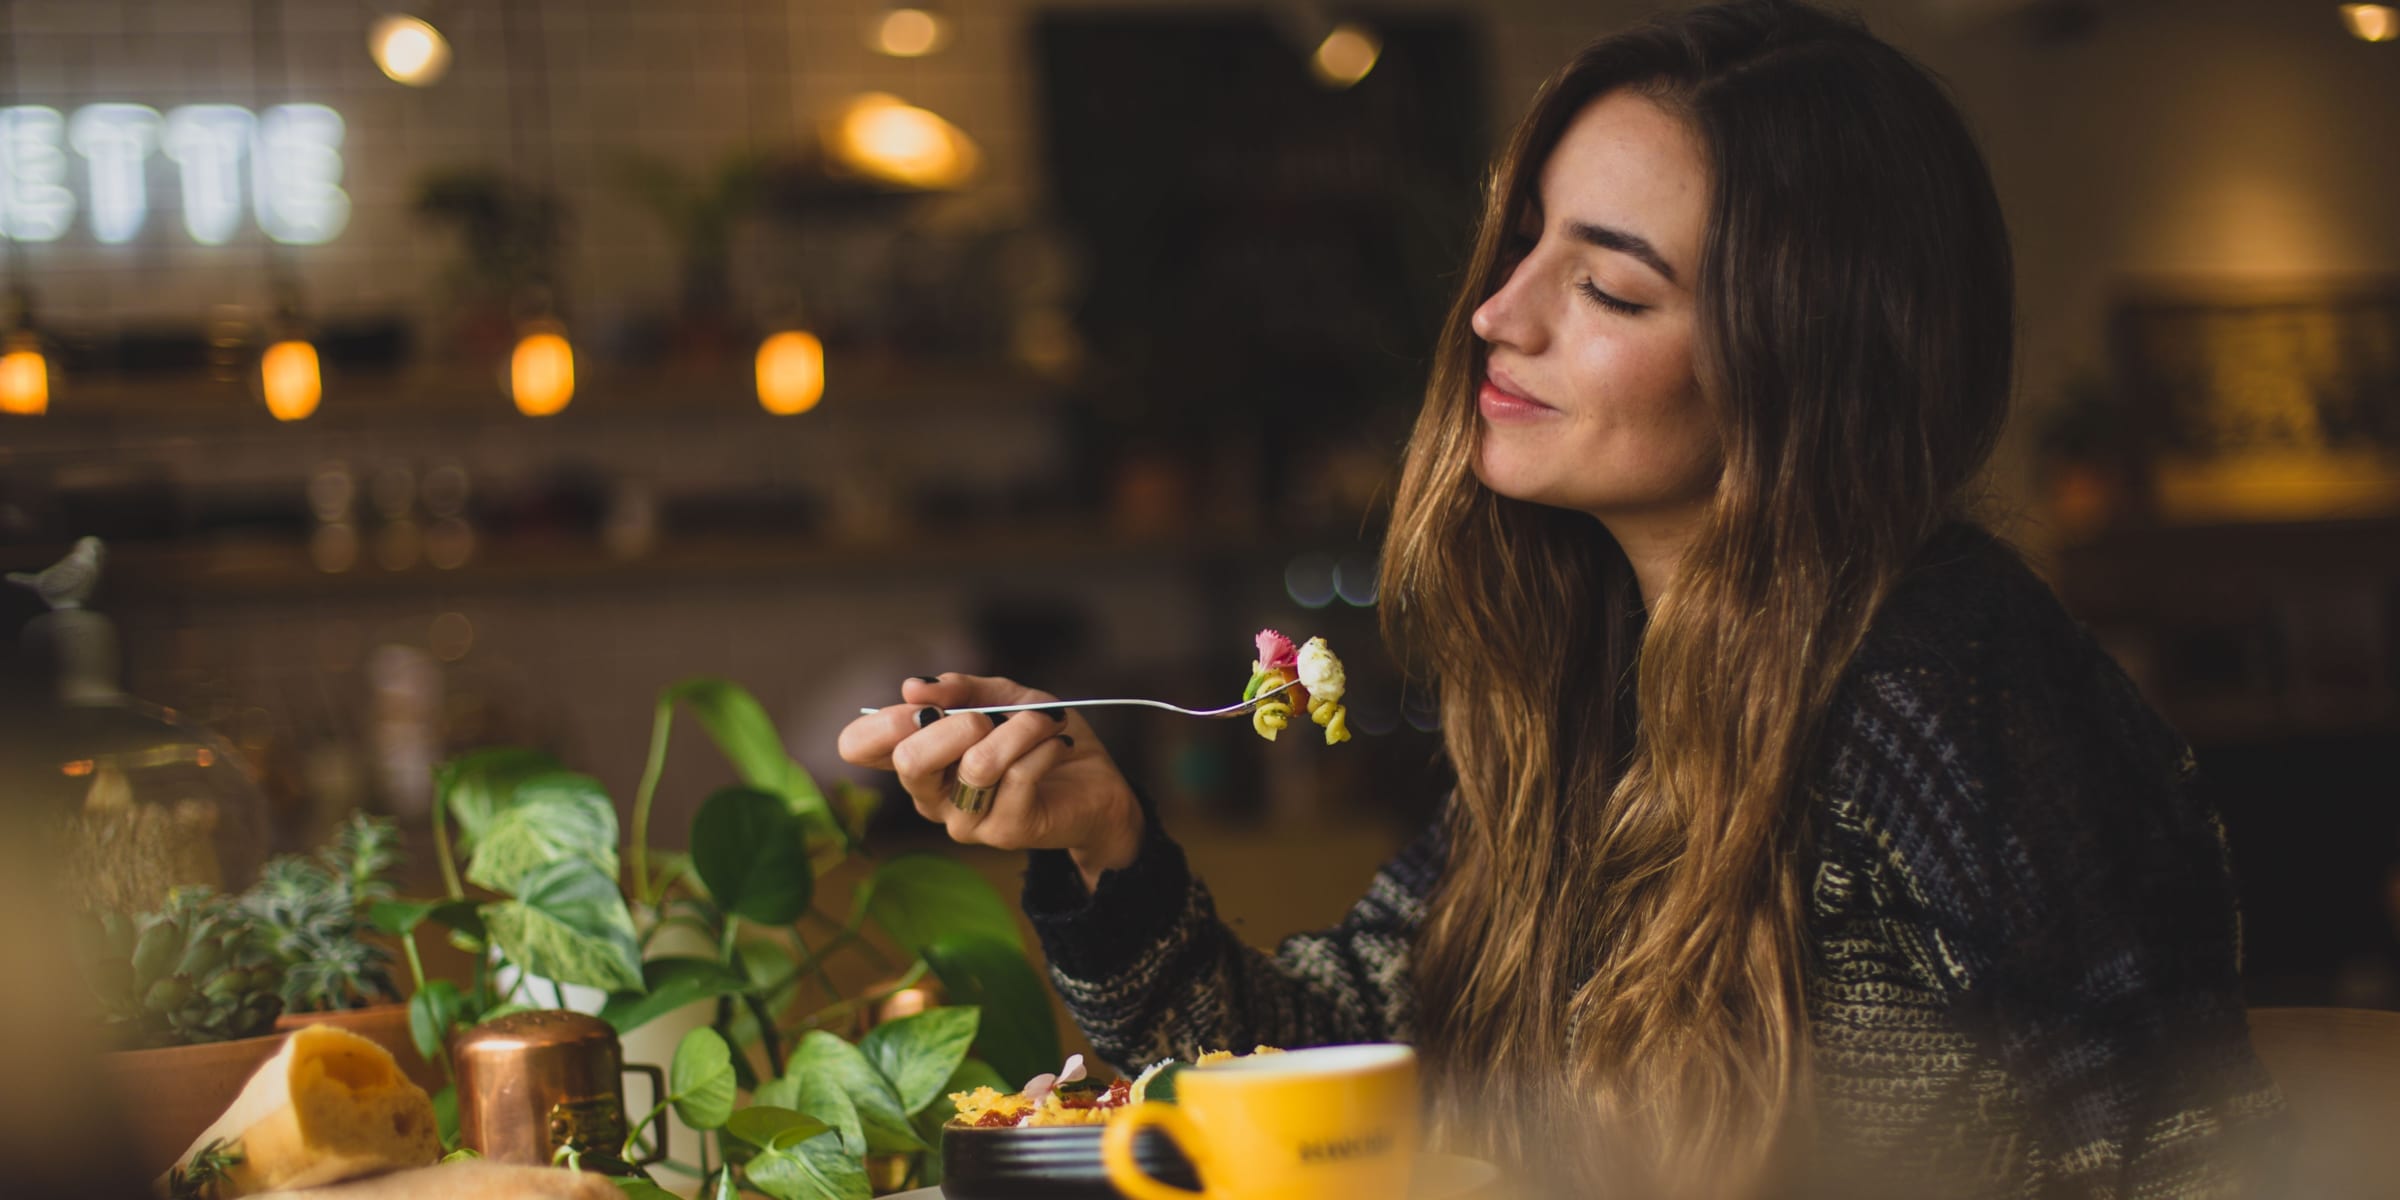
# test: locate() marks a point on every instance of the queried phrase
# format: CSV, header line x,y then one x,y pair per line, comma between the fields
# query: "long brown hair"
x,y
1614,957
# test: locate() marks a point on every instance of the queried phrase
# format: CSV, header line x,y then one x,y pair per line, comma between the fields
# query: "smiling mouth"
x,y
1498,403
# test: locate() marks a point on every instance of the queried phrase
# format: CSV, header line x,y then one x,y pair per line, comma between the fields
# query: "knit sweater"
x,y
2021,969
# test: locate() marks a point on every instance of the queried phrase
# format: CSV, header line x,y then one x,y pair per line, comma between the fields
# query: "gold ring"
x,y
968,798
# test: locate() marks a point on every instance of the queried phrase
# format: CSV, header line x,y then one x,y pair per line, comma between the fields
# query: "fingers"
x,y
924,759
985,762
870,740
1014,818
955,690
993,763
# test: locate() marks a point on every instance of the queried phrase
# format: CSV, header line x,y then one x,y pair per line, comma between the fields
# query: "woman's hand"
x,y
1052,785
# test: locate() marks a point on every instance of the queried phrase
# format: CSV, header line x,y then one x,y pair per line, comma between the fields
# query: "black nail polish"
x,y
997,718
1067,740
927,716
929,679
1056,714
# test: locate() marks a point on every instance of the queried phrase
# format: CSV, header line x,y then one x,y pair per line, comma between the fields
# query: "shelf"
x,y
281,569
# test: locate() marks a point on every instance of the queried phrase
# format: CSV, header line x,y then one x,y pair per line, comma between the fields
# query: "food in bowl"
x,y
1068,1098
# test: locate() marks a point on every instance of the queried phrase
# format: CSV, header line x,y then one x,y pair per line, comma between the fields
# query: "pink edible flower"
x,y
1042,1085
1276,652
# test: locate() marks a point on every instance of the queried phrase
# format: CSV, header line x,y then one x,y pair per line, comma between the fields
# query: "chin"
x,y
1511,480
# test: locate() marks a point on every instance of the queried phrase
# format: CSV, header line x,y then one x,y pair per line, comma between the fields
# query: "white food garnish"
x,y
1320,672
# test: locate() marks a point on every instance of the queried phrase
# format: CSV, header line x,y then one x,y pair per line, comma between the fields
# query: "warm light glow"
x,y
289,379
541,374
78,768
910,32
791,373
409,50
2372,22
2287,486
882,138
24,380
1346,55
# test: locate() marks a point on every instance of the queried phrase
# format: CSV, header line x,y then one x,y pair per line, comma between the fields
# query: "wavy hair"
x,y
1618,937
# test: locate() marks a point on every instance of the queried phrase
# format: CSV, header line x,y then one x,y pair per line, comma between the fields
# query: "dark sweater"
x,y
2022,969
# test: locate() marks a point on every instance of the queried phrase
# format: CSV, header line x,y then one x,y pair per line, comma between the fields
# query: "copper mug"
x,y
535,1083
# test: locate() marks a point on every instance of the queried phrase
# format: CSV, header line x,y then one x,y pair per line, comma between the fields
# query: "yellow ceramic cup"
x,y
1332,1123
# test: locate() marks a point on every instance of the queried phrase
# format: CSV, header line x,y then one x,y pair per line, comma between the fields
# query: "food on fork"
x,y
1321,682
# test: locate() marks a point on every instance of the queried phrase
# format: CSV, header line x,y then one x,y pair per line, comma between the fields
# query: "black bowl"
x,y
1059,1162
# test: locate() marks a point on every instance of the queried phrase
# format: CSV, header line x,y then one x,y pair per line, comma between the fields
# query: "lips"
x,y
1499,400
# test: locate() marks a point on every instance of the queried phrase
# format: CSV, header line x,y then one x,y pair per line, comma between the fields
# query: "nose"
x,y
1507,317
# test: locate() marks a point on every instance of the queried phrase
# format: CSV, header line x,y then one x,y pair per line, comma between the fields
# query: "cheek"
x,y
1651,421
1646,387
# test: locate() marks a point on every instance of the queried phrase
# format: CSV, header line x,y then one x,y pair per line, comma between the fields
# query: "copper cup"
x,y
534,1083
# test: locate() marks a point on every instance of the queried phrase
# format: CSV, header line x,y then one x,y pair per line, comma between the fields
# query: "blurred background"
x,y
467,378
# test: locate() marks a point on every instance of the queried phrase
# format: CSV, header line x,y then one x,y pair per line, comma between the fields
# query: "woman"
x,y
1799,834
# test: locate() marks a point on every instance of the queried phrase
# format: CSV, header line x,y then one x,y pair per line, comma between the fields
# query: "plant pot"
x,y
170,1094
386,1025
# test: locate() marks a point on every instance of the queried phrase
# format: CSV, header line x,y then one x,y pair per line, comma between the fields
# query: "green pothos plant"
x,y
531,866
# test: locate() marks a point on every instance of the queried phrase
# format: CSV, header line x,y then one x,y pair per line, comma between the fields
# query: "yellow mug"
x,y
1331,1123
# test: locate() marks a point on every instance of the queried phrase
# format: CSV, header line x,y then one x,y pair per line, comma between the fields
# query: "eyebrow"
x,y
1623,243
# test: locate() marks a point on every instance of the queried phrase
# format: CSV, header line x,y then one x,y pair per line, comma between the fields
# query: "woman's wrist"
x,y
1113,852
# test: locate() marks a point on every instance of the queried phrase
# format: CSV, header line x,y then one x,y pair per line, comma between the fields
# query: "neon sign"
x,y
294,154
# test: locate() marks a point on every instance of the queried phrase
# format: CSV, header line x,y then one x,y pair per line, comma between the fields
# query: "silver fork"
x,y
1231,710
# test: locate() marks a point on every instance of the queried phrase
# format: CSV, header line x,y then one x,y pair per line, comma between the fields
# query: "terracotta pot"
x,y
386,1025
169,1095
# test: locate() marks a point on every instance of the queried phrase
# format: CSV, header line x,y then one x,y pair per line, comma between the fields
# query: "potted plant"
x,y
541,843
198,993
188,994
314,914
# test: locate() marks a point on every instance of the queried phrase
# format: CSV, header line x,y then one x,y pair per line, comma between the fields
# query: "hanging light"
x,y
24,376
878,136
24,364
909,29
408,49
541,371
2372,22
1346,55
791,372
289,379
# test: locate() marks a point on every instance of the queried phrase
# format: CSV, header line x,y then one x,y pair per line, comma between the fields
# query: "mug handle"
x,y
658,1096
1116,1151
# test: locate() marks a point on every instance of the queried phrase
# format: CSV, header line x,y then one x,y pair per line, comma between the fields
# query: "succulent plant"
x,y
313,916
195,971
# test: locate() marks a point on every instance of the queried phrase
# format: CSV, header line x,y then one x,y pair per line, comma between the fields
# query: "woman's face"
x,y
1589,399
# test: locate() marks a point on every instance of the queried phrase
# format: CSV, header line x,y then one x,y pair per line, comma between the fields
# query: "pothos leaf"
x,y
762,1124
556,815
700,1079
812,1168
918,1053
568,922
881,1117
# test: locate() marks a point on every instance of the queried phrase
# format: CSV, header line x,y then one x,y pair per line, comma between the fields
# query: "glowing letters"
x,y
298,170
205,143
35,205
294,154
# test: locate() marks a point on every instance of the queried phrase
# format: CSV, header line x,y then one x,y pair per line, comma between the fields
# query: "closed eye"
x,y
1592,292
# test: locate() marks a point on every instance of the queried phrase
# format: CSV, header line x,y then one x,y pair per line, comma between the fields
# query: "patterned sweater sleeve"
x,y
2077,904
1147,969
